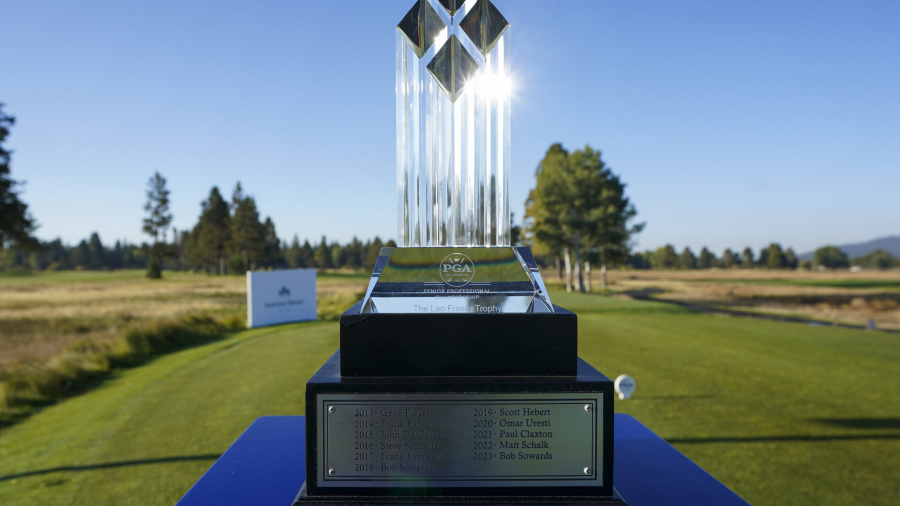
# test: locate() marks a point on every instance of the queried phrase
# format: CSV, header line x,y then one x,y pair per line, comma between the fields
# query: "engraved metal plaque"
x,y
459,440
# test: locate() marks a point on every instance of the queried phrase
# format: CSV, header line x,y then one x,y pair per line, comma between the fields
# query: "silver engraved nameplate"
x,y
460,440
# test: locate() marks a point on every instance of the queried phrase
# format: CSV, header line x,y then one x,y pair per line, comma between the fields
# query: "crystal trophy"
x,y
457,381
453,170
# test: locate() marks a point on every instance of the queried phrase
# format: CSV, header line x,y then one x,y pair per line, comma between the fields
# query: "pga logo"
x,y
457,270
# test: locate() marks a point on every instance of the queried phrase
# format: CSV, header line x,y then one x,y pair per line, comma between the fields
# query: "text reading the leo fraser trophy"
x,y
455,308
460,301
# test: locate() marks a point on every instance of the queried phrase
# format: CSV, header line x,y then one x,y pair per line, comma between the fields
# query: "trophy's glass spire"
x,y
453,96
453,135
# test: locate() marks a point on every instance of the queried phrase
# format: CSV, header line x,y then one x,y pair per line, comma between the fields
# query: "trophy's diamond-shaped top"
x,y
453,5
453,168
453,68
421,26
484,25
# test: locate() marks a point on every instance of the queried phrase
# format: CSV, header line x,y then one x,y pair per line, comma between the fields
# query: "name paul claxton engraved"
x,y
390,440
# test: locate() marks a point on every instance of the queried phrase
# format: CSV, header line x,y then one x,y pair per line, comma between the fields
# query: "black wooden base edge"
x,y
304,500
537,344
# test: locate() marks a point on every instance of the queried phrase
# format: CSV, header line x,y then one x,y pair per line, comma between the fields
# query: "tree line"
x,y
232,238
88,254
666,257
93,254
228,238
772,257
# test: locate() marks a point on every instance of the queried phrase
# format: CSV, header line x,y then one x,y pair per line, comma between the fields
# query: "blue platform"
x,y
265,467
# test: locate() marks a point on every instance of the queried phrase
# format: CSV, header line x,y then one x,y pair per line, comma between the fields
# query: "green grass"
x,y
851,283
783,414
363,276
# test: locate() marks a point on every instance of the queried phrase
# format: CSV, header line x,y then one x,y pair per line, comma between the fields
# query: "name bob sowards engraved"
x,y
453,308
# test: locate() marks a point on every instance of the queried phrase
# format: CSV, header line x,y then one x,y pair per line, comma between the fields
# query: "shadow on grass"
x,y
674,397
782,439
861,423
111,465
10,419
661,309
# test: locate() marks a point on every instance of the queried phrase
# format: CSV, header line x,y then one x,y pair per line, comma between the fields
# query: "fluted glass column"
x,y
453,132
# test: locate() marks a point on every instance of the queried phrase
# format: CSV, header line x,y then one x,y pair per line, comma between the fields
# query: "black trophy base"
x,y
429,344
304,500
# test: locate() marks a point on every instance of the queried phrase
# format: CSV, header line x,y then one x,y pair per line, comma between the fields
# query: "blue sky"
x,y
734,123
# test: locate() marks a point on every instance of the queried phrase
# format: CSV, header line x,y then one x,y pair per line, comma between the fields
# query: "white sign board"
x,y
276,297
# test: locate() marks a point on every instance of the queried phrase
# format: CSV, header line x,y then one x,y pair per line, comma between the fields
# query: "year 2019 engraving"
x,y
387,440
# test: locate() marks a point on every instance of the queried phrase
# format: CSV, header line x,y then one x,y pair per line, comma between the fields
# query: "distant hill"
x,y
890,244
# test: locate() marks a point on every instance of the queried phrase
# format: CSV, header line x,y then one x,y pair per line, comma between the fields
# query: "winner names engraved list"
x,y
378,439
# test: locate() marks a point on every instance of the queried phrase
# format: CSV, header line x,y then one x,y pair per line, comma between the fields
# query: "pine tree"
x,y
338,256
775,257
16,223
664,257
157,222
294,254
706,260
153,270
308,255
763,259
97,252
372,251
790,259
687,260
213,231
271,245
323,255
747,258
728,259
354,254
81,255
128,258
248,235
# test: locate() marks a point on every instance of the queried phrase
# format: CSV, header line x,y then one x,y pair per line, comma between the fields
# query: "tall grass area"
x,y
853,298
35,383
64,332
